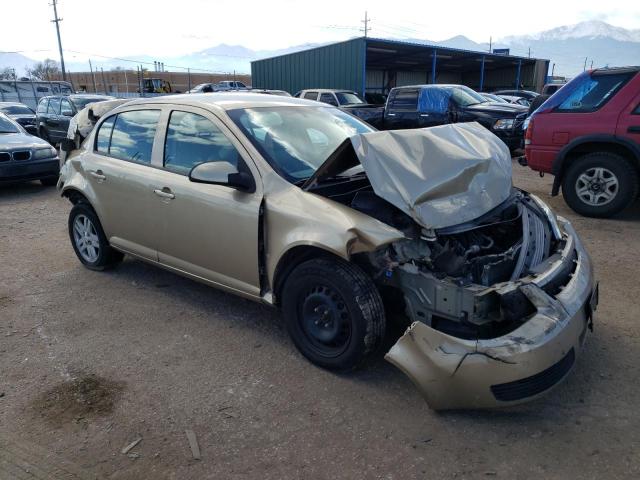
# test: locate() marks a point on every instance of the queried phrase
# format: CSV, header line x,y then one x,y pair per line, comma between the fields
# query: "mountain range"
x,y
569,47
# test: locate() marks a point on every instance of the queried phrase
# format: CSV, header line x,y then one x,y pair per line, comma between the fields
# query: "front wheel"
x,y
333,313
88,239
600,184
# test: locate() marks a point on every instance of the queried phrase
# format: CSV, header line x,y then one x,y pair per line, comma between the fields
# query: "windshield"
x,y
16,110
494,98
464,96
349,98
296,140
80,103
7,126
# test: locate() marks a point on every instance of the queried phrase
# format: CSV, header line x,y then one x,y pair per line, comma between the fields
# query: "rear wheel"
x,y
600,184
333,313
88,239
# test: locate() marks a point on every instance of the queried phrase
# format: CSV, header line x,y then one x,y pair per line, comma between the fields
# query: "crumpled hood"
x,y
440,176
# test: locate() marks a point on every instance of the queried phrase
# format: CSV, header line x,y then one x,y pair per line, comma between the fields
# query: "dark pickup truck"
x,y
348,101
429,105
421,106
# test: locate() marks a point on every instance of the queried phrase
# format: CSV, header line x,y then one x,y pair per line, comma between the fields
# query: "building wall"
x,y
121,81
339,65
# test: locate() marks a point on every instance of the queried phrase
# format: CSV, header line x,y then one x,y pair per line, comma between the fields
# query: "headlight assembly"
x,y
47,152
503,124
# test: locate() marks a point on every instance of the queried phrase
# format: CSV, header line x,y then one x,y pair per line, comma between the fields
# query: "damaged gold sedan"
x,y
304,207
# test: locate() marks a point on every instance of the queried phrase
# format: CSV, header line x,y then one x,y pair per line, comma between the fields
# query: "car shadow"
x,y
18,190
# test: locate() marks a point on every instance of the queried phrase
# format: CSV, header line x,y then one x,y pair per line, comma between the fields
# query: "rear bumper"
x,y
17,171
513,141
455,373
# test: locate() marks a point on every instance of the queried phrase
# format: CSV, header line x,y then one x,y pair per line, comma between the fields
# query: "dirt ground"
x,y
90,362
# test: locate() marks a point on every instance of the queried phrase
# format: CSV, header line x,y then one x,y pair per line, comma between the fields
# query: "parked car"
x,y
348,101
202,88
301,206
428,105
24,157
156,85
229,85
54,113
83,122
490,97
525,102
528,94
587,134
21,114
281,93
374,98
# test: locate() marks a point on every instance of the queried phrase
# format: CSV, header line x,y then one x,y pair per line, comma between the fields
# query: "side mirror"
x,y
222,173
67,145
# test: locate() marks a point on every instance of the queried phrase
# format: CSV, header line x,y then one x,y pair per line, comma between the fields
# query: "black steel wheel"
x,y
333,313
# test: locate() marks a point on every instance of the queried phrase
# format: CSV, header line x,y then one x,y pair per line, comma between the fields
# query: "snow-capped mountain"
x,y
591,29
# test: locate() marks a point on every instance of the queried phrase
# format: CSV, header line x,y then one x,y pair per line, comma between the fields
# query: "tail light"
x,y
529,133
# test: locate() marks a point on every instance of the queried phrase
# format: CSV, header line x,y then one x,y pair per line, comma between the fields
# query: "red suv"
x,y
588,135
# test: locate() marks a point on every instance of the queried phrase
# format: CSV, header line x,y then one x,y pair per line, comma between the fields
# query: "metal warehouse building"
x,y
377,65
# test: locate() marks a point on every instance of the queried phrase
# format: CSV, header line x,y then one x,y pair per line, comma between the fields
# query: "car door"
x,y
402,109
121,175
209,231
51,119
66,112
628,126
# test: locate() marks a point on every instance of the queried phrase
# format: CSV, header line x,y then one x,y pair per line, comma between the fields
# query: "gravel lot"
x,y
89,362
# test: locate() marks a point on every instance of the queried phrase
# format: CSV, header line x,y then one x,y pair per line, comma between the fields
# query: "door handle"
x,y
164,193
98,174
633,129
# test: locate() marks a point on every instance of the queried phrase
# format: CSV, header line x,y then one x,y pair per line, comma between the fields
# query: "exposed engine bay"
x,y
462,279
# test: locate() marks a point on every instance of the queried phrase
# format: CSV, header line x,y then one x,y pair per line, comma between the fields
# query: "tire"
x,y
333,312
84,227
600,184
49,181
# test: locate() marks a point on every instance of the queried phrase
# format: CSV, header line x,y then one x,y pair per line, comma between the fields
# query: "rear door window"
x,y
405,100
311,95
193,139
42,106
54,106
133,134
103,137
65,107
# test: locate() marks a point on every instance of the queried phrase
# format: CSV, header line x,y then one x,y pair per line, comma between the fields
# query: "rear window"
x,y
586,92
16,110
406,100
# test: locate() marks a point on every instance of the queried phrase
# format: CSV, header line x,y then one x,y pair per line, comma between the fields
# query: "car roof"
x,y
328,90
225,100
11,104
432,85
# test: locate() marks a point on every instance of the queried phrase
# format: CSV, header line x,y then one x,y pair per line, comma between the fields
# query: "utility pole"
x,y
57,21
591,68
366,24
529,52
585,64
93,77
553,69
104,84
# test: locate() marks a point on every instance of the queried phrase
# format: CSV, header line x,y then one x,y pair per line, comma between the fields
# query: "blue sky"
x,y
129,28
